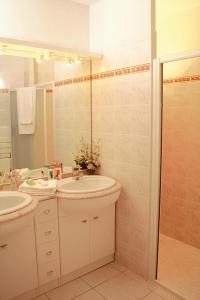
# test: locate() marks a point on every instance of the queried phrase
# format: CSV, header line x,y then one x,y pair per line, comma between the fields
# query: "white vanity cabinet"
x,y
18,268
102,233
86,238
74,242
47,241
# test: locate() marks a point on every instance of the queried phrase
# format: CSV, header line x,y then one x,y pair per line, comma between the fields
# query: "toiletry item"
x,y
50,172
57,170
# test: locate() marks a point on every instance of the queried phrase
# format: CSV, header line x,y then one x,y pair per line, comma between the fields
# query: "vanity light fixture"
x,y
69,61
3,50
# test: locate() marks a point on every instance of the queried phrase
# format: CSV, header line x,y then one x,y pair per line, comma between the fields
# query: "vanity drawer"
x,y
48,252
46,211
46,232
48,272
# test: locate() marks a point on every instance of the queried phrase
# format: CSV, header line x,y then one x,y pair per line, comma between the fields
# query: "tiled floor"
x,y
179,267
111,282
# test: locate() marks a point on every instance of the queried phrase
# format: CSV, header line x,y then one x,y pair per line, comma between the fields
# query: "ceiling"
x,y
86,2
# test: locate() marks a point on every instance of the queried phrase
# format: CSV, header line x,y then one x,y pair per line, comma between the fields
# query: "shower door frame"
x,y
156,152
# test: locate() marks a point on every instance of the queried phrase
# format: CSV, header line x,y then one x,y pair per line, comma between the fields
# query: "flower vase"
x,y
90,171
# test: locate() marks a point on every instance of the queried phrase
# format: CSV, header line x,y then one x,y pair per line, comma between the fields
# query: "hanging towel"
x,y
26,106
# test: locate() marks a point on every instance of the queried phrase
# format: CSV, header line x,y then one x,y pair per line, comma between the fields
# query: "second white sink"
x,y
86,184
13,201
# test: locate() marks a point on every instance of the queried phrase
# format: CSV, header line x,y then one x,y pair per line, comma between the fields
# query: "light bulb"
x,y
47,56
38,60
1,84
78,61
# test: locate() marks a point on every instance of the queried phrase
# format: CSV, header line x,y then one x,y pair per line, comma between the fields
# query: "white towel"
x,y
41,188
26,106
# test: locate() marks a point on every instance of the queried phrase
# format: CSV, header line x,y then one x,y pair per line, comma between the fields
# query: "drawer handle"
x,y
48,232
47,211
49,253
96,218
84,221
49,273
3,246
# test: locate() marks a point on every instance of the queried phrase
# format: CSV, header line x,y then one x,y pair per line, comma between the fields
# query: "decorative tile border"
x,y
4,91
106,74
49,91
182,79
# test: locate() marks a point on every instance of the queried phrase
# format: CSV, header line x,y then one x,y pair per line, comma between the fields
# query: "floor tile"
x,y
27,296
90,295
164,293
148,284
118,266
134,276
180,270
69,290
43,297
100,275
152,296
122,287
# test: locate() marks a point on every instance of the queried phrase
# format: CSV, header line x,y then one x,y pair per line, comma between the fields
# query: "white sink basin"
x,y
88,194
86,184
13,201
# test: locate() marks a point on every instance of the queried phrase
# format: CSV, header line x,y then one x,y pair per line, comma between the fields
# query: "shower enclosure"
x,y
175,175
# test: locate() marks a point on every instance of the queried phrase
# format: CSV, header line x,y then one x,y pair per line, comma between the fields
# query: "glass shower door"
x,y
179,230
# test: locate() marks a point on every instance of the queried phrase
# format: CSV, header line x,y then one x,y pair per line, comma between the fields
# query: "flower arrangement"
x,y
88,159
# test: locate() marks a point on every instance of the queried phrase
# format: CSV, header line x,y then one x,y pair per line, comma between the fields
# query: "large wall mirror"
x,y
59,98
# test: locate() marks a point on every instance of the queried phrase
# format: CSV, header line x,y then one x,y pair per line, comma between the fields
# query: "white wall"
x,y
118,30
56,22
122,118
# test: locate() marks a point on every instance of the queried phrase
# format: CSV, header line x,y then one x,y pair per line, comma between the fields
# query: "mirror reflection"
x,y
45,112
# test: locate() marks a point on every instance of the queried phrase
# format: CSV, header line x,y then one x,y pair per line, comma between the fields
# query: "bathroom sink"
x,y
11,201
86,184
88,194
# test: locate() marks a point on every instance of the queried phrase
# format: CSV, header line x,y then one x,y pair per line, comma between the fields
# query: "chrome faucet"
x,y
76,173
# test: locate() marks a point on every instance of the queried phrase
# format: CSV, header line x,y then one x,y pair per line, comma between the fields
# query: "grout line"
x,y
113,266
100,294
106,280
81,294
47,296
108,264
150,294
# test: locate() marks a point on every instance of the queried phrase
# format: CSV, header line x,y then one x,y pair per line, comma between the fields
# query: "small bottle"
x,y
50,172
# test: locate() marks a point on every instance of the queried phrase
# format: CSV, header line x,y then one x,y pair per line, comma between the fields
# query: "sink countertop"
x,y
107,191
36,199
24,211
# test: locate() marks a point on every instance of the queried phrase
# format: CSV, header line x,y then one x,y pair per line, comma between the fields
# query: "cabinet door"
x,y
74,242
18,269
103,233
